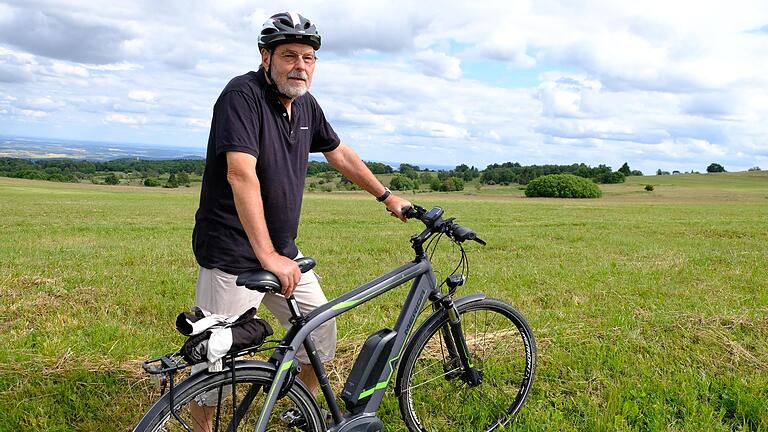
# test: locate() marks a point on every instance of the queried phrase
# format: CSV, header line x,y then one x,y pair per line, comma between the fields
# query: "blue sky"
x,y
671,85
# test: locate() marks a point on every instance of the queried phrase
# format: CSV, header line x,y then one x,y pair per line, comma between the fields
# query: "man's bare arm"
x,y
344,159
241,175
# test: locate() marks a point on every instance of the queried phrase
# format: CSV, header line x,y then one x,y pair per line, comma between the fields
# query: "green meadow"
x,y
650,309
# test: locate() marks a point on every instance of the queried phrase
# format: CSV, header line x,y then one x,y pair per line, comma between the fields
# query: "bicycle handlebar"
x,y
434,222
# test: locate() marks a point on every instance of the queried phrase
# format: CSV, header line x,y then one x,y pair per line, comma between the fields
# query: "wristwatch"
x,y
384,196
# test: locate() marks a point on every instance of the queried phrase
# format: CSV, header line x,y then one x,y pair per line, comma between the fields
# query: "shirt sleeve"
x,y
235,124
324,138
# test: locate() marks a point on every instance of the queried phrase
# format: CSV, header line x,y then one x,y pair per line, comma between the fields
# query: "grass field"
x,y
650,308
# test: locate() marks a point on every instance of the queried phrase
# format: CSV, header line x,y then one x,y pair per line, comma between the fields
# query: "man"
x,y
264,126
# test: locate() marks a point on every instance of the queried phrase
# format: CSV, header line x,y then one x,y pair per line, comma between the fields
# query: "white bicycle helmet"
x,y
288,27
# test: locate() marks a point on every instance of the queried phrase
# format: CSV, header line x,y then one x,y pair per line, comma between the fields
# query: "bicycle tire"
x,y
431,392
298,410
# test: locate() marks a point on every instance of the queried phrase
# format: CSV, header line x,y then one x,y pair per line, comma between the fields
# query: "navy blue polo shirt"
x,y
248,117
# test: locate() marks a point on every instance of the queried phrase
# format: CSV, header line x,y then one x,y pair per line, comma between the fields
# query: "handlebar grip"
x,y
413,212
461,233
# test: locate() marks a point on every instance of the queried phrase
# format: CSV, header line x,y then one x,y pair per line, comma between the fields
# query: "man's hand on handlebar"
x,y
437,225
396,206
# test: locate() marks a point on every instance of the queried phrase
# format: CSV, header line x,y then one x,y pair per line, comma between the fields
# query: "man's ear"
x,y
264,57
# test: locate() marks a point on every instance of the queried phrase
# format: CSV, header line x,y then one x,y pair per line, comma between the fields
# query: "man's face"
x,y
292,68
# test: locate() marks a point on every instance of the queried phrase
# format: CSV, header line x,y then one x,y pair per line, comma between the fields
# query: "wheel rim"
x,y
438,398
291,413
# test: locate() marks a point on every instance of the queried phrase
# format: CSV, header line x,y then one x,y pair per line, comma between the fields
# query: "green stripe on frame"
x,y
350,303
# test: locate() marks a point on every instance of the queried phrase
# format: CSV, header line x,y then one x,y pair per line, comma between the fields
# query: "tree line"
x,y
71,170
513,172
406,176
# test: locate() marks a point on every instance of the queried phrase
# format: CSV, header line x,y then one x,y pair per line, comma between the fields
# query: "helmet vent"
x,y
286,27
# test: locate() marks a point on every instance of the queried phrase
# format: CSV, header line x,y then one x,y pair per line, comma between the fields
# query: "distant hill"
x,y
42,148
45,148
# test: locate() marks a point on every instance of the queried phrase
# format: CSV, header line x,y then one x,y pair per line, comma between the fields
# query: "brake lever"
x,y
479,240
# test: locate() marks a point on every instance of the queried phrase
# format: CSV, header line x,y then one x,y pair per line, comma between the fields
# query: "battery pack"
x,y
367,369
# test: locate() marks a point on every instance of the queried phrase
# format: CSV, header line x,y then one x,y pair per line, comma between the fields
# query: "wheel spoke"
x,y
296,411
430,380
492,332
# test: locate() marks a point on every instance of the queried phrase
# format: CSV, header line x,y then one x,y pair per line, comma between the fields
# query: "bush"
x,y
172,182
410,171
562,186
401,182
435,184
379,168
625,170
151,182
346,184
649,188
715,168
610,178
111,179
183,179
452,184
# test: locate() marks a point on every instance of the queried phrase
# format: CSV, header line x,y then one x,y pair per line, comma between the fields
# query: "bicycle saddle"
x,y
264,281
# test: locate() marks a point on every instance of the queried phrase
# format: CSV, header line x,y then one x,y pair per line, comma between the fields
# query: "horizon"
x,y
660,86
132,152
192,152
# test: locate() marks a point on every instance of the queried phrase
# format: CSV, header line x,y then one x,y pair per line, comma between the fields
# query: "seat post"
x,y
293,307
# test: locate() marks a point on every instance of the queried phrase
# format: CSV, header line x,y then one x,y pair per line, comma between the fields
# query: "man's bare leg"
x,y
202,417
307,376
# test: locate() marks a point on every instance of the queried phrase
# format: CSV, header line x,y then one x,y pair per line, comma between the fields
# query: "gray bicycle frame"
x,y
424,284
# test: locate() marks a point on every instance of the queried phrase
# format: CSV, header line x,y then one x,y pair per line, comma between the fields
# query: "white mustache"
x,y
298,74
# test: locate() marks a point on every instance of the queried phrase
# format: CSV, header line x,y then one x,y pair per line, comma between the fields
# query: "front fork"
x,y
456,344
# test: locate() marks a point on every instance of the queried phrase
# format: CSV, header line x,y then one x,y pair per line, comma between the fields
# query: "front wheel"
x,y
297,411
433,393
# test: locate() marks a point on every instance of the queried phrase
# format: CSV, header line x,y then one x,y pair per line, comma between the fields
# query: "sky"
x,y
671,85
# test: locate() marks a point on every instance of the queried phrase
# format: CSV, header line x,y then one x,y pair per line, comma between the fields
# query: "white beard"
x,y
292,91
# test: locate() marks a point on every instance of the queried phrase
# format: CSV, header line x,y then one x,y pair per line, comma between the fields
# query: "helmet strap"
x,y
272,82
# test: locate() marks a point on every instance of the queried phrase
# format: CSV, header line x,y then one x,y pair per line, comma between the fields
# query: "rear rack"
x,y
172,362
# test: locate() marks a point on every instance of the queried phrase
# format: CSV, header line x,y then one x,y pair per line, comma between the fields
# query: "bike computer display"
x,y
433,215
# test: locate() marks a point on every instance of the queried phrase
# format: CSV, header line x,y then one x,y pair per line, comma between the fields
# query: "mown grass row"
x,y
650,309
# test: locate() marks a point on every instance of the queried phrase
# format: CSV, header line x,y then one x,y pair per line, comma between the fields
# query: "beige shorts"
x,y
217,292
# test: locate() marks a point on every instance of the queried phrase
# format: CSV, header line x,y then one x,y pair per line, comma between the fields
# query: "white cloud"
x,y
65,36
198,122
65,69
438,65
41,103
142,96
435,129
33,113
125,119
115,67
587,81
565,96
